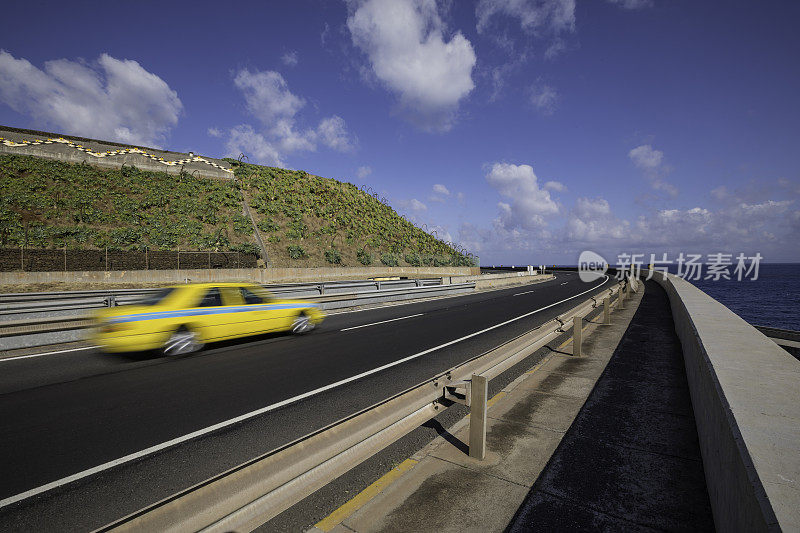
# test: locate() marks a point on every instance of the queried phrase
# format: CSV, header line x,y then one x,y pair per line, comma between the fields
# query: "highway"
x,y
113,433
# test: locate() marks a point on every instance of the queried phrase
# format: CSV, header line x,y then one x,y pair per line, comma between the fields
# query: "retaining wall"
x,y
745,393
108,155
257,275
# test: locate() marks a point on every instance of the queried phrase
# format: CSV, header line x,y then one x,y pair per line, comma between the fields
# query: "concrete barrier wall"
x,y
745,392
257,275
490,281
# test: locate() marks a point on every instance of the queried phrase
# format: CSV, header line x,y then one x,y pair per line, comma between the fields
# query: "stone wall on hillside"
x,y
107,154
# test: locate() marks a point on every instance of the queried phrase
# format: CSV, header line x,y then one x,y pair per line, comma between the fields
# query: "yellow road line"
x,y
494,399
539,365
336,517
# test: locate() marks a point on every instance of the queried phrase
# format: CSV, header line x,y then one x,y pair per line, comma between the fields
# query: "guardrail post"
x,y
621,297
577,332
479,391
606,311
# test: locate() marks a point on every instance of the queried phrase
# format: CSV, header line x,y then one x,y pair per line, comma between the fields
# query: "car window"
x,y
156,297
249,297
212,298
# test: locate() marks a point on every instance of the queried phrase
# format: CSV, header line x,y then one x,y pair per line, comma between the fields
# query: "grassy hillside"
x,y
303,220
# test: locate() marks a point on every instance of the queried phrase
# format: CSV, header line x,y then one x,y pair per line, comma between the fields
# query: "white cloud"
x,y
413,205
109,99
363,172
771,227
534,15
441,233
540,18
651,162
214,132
269,99
243,139
290,59
645,157
438,188
332,132
529,203
267,95
544,99
410,54
720,193
555,186
632,4
591,221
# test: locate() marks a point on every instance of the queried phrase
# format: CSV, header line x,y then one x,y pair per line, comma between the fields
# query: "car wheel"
x,y
181,342
302,324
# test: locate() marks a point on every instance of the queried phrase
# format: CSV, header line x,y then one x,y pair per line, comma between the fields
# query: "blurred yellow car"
x,y
183,318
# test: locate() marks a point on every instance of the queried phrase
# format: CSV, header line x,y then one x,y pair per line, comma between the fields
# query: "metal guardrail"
x,y
249,495
27,331
21,303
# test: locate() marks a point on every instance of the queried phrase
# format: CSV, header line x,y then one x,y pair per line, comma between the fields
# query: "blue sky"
x,y
528,131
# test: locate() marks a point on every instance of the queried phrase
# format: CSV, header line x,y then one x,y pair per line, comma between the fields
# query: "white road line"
x,y
526,292
4,360
565,282
247,416
382,322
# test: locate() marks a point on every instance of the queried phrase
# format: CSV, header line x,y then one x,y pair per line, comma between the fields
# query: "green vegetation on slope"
x,y
45,203
304,220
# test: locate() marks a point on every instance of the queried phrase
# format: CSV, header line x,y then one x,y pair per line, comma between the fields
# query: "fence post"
x,y
606,310
477,416
577,335
238,264
65,258
209,260
106,258
179,259
146,258
22,257
621,297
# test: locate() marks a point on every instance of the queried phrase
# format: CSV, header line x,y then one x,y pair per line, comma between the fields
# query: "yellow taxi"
x,y
182,319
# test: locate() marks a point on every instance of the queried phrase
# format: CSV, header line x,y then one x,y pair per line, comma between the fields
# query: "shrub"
x,y
333,256
413,259
125,236
267,225
296,252
427,260
241,224
246,248
389,260
441,261
364,257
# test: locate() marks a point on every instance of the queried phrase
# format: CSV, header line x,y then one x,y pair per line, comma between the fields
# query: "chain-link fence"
x,y
67,260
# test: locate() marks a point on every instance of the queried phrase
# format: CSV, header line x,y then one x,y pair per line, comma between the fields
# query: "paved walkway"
x,y
631,460
602,441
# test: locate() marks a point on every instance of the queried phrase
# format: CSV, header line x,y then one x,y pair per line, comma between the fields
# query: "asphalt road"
x,y
64,414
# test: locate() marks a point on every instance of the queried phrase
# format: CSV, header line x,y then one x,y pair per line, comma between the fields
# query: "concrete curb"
x,y
746,399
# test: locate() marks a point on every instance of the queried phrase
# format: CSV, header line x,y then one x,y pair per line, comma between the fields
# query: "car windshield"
x,y
156,297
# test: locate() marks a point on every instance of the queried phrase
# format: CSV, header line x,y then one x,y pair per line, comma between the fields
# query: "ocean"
x,y
771,300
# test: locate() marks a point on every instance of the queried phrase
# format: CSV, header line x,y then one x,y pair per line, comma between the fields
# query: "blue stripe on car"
x,y
206,311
